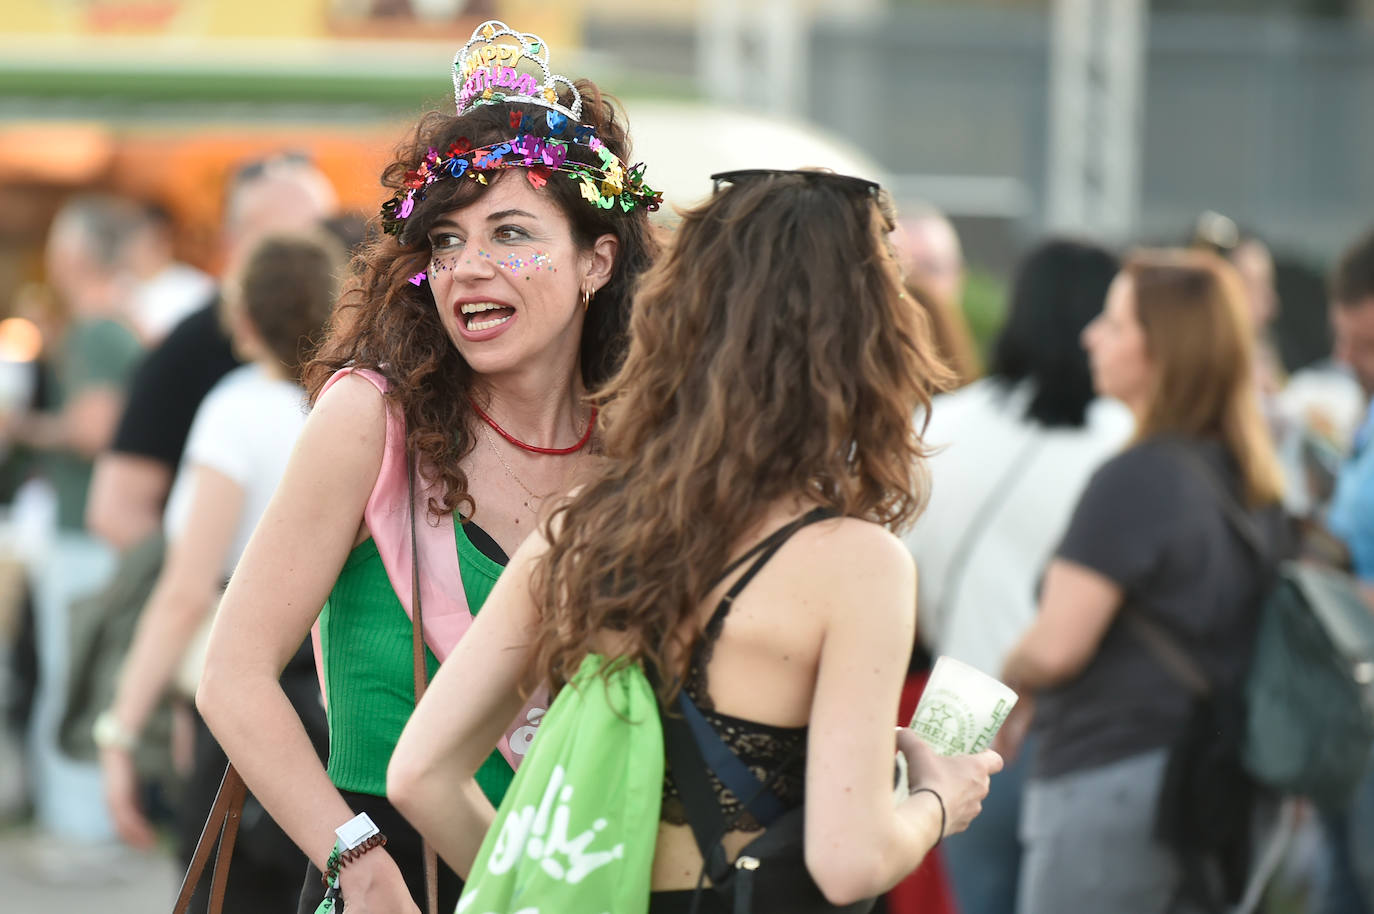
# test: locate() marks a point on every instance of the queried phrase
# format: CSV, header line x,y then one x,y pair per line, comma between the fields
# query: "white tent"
x,y
683,144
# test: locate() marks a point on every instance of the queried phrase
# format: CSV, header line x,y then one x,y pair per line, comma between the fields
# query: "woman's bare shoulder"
x,y
354,403
346,429
848,587
352,391
845,560
855,543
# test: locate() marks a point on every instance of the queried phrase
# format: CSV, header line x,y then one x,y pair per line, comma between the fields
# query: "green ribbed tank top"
x,y
369,670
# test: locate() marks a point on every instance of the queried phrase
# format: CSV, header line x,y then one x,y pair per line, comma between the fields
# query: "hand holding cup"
x,y
961,709
961,782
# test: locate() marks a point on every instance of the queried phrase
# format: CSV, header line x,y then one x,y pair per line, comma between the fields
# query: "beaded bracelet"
x,y
339,859
938,799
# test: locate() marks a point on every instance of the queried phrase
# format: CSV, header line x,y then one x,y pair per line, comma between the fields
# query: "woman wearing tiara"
x,y
495,300
732,545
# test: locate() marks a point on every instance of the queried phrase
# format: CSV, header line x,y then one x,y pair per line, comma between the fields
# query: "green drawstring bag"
x,y
576,831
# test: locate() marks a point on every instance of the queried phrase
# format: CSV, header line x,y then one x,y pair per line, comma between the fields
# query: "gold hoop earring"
x,y
586,298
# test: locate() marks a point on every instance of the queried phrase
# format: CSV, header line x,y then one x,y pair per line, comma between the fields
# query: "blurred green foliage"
x,y
985,306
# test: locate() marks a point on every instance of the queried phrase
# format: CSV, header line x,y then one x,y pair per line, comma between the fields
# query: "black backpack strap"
x,y
687,762
689,740
762,802
688,769
765,805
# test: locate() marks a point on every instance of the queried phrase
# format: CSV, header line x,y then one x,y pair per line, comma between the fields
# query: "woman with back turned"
x,y
735,546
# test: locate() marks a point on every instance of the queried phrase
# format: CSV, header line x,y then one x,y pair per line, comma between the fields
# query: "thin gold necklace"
x,y
486,433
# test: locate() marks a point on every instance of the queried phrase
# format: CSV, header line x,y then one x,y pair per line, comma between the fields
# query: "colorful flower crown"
x,y
486,64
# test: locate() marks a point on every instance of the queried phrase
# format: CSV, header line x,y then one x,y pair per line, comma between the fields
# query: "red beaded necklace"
x,y
534,448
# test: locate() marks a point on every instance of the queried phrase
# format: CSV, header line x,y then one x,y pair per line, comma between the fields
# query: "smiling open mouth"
x,y
485,315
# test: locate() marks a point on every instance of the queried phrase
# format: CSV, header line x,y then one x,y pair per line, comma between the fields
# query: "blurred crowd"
x,y
1030,451
147,436
131,487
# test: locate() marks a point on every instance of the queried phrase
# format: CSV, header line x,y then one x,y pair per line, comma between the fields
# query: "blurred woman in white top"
x,y
1012,453
243,433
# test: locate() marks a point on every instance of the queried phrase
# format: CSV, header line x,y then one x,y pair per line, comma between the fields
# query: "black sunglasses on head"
x,y
743,175
253,169
1217,232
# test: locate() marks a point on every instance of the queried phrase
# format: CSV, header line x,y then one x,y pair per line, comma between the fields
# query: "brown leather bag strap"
x,y
233,812
1168,651
421,679
222,827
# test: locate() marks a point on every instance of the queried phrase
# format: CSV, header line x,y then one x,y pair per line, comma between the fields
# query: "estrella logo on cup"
x,y
985,736
944,722
961,708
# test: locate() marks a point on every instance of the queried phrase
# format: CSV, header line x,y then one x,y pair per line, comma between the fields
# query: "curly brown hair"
x,y
386,323
772,353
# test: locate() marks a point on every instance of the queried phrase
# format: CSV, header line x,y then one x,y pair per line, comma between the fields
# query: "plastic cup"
x,y
961,709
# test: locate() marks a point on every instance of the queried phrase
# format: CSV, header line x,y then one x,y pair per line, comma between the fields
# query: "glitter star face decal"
x,y
444,263
518,265
521,266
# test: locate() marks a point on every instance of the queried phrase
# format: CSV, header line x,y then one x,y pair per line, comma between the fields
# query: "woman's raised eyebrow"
x,y
507,213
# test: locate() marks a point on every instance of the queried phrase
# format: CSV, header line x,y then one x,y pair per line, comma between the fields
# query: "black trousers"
x,y
404,845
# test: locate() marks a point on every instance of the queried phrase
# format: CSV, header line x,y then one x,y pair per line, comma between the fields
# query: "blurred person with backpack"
x,y
1350,518
931,259
1116,817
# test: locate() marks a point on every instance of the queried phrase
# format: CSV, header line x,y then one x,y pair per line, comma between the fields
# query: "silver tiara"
x,y
487,71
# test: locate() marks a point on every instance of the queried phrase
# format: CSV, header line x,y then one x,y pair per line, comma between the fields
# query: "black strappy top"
x,y
761,747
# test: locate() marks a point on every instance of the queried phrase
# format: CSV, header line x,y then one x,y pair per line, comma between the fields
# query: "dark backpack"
x,y
1309,695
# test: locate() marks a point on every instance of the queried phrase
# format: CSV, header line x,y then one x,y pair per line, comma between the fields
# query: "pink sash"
x,y
446,613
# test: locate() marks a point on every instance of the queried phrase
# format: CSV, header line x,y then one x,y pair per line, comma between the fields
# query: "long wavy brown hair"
x,y
386,323
773,353
1192,306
